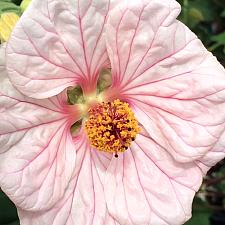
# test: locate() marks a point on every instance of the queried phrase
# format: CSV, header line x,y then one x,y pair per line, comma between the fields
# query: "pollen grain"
x,y
111,126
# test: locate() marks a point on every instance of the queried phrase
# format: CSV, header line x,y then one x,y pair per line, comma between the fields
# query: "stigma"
x,y
111,126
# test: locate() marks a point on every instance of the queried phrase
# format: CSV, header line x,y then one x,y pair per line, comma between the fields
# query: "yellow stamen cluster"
x,y
111,126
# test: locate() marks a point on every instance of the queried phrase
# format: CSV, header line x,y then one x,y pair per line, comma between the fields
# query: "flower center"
x,y
111,126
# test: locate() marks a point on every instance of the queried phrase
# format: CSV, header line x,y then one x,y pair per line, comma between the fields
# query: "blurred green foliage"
x,y
200,213
8,6
207,19
8,213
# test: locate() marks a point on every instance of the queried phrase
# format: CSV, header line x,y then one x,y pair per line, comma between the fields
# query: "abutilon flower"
x,y
139,85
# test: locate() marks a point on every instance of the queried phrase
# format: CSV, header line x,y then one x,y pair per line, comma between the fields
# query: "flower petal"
x,y
84,201
148,175
37,155
132,29
216,154
58,43
175,84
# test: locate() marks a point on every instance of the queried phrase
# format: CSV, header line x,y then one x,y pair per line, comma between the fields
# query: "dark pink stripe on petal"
x,y
84,200
56,44
37,155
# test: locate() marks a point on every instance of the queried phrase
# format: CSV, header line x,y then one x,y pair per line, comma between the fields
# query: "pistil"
x,y
111,126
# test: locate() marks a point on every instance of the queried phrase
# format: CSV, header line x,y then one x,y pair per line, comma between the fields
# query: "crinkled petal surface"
x,y
83,201
52,178
177,90
37,155
148,175
176,85
58,43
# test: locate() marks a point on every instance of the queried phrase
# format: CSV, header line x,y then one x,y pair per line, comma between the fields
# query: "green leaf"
x,y
18,2
13,223
196,14
223,13
8,212
220,41
196,11
195,17
24,4
200,213
75,95
8,6
206,8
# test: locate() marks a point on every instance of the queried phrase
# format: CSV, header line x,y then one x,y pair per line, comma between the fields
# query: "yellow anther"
x,y
111,126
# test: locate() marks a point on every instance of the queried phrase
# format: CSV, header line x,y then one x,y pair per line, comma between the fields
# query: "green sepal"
x,y
75,95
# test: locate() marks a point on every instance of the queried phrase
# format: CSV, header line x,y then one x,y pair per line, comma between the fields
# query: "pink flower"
x,y
175,87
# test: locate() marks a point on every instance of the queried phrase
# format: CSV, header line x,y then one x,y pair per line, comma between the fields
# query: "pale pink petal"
x,y
83,201
216,154
145,185
115,3
37,155
175,85
132,30
56,44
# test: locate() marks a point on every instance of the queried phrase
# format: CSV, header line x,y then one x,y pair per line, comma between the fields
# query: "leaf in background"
x,y
8,6
196,11
18,2
200,213
196,17
219,3
24,4
220,41
13,223
206,8
8,212
223,13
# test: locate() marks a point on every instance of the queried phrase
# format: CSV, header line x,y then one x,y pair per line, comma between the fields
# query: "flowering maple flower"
x,y
163,116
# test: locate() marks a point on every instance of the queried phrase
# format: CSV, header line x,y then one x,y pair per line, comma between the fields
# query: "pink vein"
x,y
82,39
